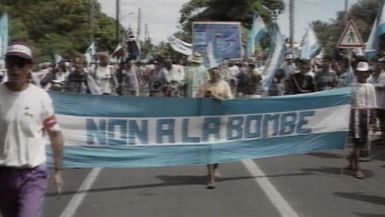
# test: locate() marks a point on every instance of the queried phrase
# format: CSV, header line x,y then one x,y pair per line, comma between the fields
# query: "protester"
x,y
130,83
288,68
26,116
55,79
378,80
325,78
196,74
217,89
175,79
103,74
77,81
363,104
301,82
249,82
158,79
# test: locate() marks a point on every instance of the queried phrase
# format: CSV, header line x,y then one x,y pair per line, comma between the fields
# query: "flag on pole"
x,y
212,61
257,32
372,44
180,46
275,59
58,58
378,29
311,45
90,52
3,35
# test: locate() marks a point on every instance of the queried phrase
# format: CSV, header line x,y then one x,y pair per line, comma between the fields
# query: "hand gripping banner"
x,y
116,132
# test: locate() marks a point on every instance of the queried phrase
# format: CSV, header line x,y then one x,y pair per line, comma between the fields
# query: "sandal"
x,y
358,174
210,185
352,166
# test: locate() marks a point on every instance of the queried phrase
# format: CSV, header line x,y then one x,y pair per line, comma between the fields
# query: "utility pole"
x,y
291,24
146,35
117,30
346,11
139,24
92,19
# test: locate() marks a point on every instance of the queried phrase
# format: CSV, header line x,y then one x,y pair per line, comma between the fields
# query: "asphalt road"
x,y
311,185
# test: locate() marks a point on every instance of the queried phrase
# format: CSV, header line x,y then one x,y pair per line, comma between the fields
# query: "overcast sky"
x,y
162,15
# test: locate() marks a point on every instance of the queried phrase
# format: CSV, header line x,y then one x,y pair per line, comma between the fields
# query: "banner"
x,y
180,46
222,40
113,131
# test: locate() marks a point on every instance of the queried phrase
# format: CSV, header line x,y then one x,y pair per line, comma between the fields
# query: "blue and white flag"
x,y
257,32
275,59
58,58
112,131
381,20
378,29
371,45
311,45
3,35
212,61
180,46
90,52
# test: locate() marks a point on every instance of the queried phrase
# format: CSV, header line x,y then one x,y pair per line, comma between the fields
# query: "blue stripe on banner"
x,y
117,106
156,156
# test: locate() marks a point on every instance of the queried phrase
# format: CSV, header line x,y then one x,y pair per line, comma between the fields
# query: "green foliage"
x,y
58,26
363,13
226,10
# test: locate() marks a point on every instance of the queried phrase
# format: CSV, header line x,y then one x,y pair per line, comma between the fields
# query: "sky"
x,y
162,16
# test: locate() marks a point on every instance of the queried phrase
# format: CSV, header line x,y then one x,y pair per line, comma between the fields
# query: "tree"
x,y
58,26
363,13
226,10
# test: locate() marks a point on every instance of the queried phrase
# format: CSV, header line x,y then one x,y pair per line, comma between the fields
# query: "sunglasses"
x,y
12,61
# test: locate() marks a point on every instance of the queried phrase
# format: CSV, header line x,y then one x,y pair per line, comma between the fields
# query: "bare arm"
x,y
57,142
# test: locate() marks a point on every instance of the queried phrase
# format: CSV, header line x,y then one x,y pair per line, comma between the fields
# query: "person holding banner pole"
x,y
218,89
363,106
26,117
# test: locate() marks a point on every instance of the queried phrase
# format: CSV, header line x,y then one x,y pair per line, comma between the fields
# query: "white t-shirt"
x,y
379,83
24,116
363,96
103,77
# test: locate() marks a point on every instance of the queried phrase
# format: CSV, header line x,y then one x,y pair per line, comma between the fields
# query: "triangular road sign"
x,y
350,38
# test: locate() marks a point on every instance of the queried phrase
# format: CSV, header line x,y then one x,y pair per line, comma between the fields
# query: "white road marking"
x,y
282,206
76,201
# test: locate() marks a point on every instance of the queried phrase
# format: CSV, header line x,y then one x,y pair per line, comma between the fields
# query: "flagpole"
x,y
291,25
117,30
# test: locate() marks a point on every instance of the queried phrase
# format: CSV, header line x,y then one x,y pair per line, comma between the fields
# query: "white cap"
x,y
20,50
363,67
289,56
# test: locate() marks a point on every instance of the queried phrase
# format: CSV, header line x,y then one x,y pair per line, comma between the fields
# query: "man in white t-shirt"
x,y
104,75
26,117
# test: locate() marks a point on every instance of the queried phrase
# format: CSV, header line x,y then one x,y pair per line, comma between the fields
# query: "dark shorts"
x,y
22,191
359,127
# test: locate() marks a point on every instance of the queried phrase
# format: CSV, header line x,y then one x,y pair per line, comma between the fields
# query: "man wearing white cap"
x,y
288,68
26,116
363,105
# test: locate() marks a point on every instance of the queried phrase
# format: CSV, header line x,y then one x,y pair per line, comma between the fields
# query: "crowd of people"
x,y
163,77
24,121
